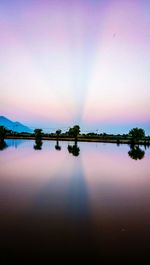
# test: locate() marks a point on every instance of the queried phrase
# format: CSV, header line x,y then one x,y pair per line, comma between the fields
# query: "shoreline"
x,y
82,139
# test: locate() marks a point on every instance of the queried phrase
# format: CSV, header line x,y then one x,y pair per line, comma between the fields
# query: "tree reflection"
x,y
146,146
136,152
38,144
74,149
3,145
57,146
38,139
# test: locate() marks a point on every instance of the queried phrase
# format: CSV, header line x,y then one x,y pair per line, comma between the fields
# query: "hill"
x,y
14,126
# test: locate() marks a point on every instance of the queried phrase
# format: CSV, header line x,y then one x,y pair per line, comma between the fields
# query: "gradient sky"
x,y
76,61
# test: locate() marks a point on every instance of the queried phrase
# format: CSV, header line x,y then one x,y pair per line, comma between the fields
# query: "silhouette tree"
x,y
74,131
38,139
3,132
136,134
136,152
38,133
58,132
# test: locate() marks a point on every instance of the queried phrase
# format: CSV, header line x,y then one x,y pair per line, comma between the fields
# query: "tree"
x,y
38,139
2,133
137,134
38,133
58,132
74,131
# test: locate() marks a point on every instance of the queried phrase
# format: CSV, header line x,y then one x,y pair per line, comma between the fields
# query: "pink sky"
x,y
68,62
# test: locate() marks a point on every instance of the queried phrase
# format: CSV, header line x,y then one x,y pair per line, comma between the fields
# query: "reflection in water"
x,y
118,143
57,146
3,145
95,206
15,143
38,144
78,193
136,152
74,149
146,146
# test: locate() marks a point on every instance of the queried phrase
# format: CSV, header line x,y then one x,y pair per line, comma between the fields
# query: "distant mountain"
x,y
14,126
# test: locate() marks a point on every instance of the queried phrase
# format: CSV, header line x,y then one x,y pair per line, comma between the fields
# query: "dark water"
x,y
68,204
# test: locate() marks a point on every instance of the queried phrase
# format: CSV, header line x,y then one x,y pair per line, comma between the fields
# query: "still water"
x,y
90,201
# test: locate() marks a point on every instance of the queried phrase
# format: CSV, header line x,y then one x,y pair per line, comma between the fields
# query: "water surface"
x,y
59,202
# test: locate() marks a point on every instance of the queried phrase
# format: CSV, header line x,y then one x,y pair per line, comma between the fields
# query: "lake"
x,y
89,202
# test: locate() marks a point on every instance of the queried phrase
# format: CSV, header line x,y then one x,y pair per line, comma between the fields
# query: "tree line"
x,y
135,135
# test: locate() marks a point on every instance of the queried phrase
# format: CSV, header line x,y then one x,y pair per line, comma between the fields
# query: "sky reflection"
x,y
54,200
58,181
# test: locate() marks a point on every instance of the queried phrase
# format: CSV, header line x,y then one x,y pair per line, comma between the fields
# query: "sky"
x,y
86,62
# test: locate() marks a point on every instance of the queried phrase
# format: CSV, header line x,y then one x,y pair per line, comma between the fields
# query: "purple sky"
x,y
64,62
